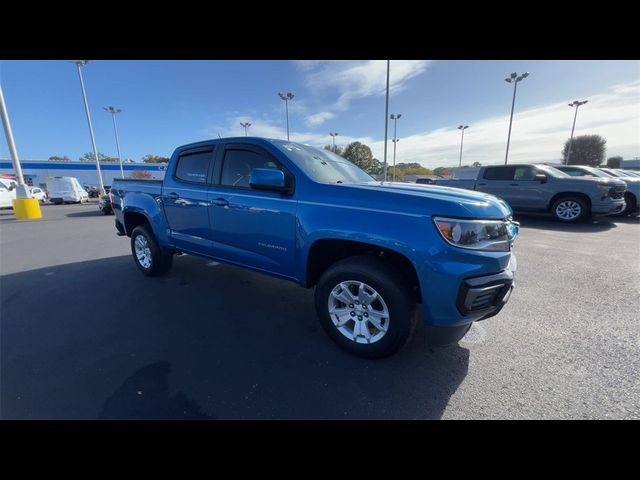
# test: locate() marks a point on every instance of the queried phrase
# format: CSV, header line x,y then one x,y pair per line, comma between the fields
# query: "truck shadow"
x,y
542,222
205,341
88,213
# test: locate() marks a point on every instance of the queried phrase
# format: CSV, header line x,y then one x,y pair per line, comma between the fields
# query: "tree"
x,y
88,157
614,162
444,171
337,150
585,150
359,154
154,159
59,159
477,164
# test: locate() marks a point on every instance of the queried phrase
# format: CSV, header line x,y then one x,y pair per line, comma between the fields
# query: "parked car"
x,y
373,251
92,190
66,190
38,193
6,196
542,188
632,195
104,204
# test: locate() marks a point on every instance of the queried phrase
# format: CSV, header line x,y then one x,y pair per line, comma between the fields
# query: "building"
x,y
37,172
630,164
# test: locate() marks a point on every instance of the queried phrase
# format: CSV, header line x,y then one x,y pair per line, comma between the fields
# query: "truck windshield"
x,y
322,165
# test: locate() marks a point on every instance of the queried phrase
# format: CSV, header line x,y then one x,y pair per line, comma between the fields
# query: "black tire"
x,y
161,259
631,204
583,206
391,286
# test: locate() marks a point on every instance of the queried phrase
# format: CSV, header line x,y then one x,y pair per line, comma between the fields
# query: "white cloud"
x,y
538,134
359,79
318,119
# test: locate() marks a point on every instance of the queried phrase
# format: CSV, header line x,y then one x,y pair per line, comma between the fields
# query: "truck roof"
x,y
234,139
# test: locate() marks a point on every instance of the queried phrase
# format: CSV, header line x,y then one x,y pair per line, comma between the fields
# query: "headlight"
x,y
485,235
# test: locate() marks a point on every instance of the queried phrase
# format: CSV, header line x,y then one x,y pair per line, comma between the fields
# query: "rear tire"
x,y
394,307
150,258
570,209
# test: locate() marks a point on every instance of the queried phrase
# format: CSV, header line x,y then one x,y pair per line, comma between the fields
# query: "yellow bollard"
x,y
27,208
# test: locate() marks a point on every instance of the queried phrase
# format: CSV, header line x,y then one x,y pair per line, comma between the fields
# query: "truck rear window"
x,y
194,167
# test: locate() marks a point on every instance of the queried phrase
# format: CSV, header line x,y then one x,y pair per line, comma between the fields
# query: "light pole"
x,y
334,135
113,111
515,79
245,125
80,64
462,128
576,103
286,97
395,118
386,123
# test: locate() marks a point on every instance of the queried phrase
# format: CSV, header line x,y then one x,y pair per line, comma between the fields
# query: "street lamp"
x,y
515,79
386,123
80,64
245,125
462,128
334,135
576,103
395,118
113,111
286,97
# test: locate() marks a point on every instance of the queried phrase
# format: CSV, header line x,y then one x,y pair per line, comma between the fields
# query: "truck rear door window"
x,y
499,173
194,167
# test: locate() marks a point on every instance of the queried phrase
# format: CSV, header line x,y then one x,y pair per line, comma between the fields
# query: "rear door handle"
x,y
220,202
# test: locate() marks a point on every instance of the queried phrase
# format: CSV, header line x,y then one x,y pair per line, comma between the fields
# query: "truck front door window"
x,y
237,166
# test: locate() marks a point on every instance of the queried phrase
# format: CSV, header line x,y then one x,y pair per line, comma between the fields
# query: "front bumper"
x,y
608,208
477,298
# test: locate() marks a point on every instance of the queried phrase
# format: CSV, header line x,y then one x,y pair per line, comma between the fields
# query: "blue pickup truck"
x,y
374,251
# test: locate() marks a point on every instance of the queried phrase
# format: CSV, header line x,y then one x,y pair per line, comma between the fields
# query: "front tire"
x,y
150,258
631,204
366,306
570,209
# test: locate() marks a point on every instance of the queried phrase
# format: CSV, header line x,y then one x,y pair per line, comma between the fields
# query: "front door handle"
x,y
220,202
173,196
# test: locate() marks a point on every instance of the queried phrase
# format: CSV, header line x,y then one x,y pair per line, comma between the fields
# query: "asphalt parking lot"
x,y
85,335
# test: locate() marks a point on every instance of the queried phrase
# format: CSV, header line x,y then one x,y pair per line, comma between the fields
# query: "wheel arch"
x,y
324,252
581,195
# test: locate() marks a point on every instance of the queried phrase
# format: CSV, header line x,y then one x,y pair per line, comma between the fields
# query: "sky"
x,y
169,103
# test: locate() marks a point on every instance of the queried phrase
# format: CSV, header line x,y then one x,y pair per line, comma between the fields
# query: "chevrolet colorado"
x,y
374,251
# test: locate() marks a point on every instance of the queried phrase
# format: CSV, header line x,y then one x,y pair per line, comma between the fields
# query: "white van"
x,y
66,189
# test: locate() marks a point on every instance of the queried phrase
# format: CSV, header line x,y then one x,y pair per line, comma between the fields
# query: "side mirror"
x,y
267,179
540,177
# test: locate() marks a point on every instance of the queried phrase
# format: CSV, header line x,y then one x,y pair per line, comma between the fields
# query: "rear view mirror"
x,y
540,177
267,179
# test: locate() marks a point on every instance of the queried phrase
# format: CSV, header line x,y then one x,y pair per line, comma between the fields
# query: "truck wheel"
x,y
631,206
366,306
569,209
151,259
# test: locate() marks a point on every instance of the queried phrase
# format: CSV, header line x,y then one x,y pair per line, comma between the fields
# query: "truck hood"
x,y
602,180
442,200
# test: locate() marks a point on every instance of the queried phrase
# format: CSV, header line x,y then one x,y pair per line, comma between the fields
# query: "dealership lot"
x,y
85,335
